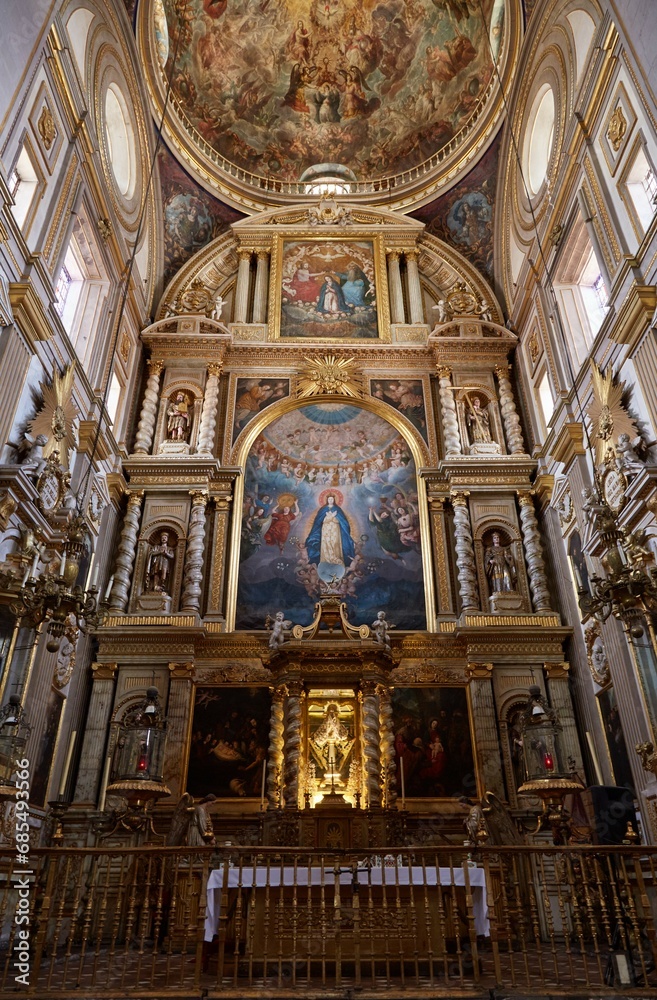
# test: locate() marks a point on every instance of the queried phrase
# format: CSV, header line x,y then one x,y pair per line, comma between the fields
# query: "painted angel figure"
x,y
279,626
191,825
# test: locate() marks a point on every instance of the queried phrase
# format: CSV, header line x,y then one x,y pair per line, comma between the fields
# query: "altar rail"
x,y
133,922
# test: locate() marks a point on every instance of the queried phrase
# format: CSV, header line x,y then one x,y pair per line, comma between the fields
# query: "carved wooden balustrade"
x,y
236,921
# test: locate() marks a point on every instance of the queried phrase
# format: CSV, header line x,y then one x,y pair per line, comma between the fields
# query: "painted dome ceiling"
x,y
404,92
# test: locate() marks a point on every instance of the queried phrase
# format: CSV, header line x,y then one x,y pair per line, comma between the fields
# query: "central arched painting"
x,y
330,506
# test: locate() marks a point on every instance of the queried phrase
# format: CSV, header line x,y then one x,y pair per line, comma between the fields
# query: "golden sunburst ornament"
x,y
608,414
57,416
330,375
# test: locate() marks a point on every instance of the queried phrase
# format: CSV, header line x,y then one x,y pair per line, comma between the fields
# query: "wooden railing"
x,y
233,922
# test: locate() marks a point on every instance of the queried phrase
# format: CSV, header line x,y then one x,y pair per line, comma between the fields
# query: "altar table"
x,y
416,876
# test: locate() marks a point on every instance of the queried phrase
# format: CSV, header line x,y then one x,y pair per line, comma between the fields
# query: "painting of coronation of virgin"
x,y
330,507
275,87
230,742
433,744
328,290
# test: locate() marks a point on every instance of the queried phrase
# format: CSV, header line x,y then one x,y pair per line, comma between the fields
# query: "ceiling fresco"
x,y
464,216
275,86
192,217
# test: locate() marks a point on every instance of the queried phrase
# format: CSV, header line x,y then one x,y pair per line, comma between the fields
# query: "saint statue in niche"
x,y
179,422
331,744
329,544
158,566
500,566
478,420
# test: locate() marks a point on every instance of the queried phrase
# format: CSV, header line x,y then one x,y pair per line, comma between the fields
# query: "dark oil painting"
x,y
230,741
433,742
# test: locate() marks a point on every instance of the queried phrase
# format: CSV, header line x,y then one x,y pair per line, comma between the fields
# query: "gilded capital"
x,y
135,498
262,253
154,367
104,671
502,371
557,671
412,255
444,371
181,671
216,369
460,498
199,498
244,253
369,688
479,671
393,254
525,498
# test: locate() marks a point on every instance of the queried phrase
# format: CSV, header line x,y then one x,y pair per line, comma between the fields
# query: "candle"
x,y
264,778
94,577
109,588
403,786
103,785
35,563
67,763
594,758
62,566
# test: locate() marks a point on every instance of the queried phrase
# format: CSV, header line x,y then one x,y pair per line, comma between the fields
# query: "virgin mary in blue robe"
x,y
314,539
331,297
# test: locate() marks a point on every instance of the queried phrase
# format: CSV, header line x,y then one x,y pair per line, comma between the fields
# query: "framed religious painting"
x,y
433,742
331,289
229,742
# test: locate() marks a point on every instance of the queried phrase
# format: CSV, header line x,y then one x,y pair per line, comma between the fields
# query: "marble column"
x,y
96,730
126,553
242,289
387,747
395,287
487,742
448,410
148,416
261,287
209,412
180,704
465,560
414,287
512,429
193,578
533,552
561,700
276,744
371,743
295,696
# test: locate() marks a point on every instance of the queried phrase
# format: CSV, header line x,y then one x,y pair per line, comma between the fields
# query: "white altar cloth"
x,y
248,878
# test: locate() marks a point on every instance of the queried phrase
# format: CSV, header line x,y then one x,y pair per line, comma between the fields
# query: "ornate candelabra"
x,y
55,597
629,589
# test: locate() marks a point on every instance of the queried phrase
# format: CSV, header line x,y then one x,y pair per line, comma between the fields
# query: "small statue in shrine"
x,y
179,423
500,566
159,565
381,629
191,825
478,420
278,628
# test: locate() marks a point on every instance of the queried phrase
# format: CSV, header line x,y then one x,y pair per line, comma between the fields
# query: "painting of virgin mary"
x,y
329,540
331,299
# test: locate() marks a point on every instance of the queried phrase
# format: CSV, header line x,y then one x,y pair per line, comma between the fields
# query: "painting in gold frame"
x,y
330,290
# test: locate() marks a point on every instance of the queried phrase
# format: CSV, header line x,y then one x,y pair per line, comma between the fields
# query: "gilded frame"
x,y
419,450
380,278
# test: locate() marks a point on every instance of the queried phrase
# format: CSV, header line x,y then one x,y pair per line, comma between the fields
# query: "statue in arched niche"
x,y
478,422
501,569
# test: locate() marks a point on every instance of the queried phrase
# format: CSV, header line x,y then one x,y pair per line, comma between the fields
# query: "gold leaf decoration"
x,y
57,416
608,414
330,375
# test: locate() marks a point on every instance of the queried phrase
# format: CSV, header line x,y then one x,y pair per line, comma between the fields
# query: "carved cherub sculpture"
x,y
280,624
627,459
381,629
217,308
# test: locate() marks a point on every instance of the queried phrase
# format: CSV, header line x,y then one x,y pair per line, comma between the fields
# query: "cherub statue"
x,y
191,825
279,625
627,459
30,453
637,548
217,308
381,629
442,311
